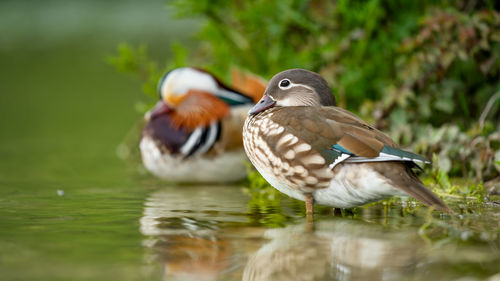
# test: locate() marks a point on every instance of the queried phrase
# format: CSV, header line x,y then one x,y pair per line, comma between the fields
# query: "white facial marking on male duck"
x,y
180,80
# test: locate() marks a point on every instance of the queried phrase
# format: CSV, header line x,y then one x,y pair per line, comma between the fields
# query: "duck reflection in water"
x,y
193,258
205,233
336,250
184,230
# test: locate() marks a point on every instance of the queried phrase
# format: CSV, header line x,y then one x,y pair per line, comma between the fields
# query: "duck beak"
x,y
264,103
160,108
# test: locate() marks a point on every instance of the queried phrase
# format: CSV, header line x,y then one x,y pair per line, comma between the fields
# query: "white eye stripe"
x,y
291,84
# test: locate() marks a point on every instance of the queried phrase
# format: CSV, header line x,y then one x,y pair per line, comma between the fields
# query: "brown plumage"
x,y
325,152
198,108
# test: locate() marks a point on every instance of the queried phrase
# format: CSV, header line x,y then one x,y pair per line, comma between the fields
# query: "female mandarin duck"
x,y
193,134
311,150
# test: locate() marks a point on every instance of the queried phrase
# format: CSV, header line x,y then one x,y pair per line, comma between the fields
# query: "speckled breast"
x,y
284,160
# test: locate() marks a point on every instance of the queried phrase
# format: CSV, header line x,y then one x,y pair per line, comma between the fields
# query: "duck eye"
x,y
284,84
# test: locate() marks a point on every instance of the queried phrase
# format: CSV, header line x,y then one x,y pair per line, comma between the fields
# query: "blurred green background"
x,y
69,208
57,91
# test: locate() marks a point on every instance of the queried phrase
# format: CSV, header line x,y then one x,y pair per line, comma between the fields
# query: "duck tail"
x,y
417,189
401,176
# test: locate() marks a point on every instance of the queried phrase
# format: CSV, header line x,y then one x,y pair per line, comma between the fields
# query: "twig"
x,y
487,109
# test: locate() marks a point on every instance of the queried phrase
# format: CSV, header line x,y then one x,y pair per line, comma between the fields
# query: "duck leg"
x,y
309,204
309,212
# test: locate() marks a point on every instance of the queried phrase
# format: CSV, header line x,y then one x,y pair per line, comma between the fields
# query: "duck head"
x,y
295,87
193,98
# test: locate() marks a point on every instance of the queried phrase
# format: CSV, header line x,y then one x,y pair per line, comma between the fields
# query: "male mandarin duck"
x,y
313,151
193,134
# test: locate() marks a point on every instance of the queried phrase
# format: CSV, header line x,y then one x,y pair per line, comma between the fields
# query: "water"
x,y
141,230
209,233
70,209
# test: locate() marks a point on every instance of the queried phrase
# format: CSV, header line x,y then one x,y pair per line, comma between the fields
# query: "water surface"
x,y
209,233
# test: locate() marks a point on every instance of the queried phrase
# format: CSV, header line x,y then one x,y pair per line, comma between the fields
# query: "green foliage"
x,y
448,69
469,154
266,37
135,60
440,176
